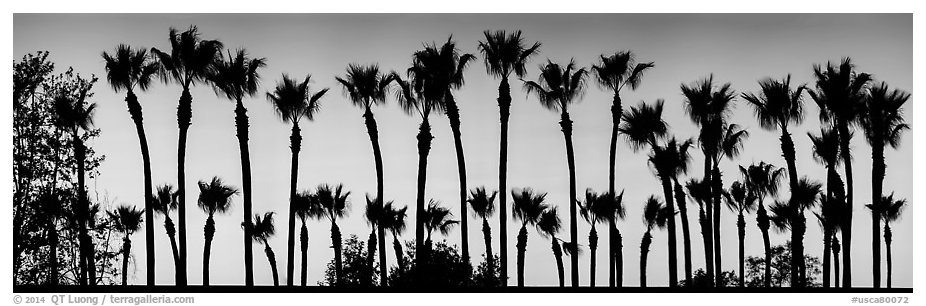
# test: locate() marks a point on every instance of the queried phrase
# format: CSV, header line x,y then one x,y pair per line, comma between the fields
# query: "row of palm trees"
x,y
846,98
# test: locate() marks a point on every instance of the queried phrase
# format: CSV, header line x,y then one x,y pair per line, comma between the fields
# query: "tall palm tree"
x,y
127,68
373,215
126,219
366,87
236,78
74,114
839,93
614,72
214,197
307,208
483,205
548,225
669,161
527,206
439,71
186,63
394,221
700,191
740,201
762,180
556,89
603,207
505,53
654,215
789,215
263,230
890,210
881,118
165,201
333,199
829,217
293,101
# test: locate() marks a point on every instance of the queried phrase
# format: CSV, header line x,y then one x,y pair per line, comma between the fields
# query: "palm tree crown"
x,y
777,104
366,86
437,70
308,207
505,53
263,227
165,199
557,86
643,125
292,100
236,76
215,196
618,70
528,205
127,68
126,219
437,218
882,116
482,202
839,90
333,200
190,58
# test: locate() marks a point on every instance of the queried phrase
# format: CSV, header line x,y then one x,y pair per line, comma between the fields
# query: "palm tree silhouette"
x,y
413,101
505,53
186,63
557,88
889,210
527,206
73,114
165,201
483,205
439,71
839,94
394,221
655,214
373,215
307,207
603,207
126,219
790,216
366,87
214,197
881,118
50,207
127,68
437,218
830,219
740,201
700,191
762,180
293,101
826,152
333,199
263,230
680,202
547,226
236,78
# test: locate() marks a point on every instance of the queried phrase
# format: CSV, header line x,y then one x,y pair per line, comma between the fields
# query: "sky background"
x,y
736,48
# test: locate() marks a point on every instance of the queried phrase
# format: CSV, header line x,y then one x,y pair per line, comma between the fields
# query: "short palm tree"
x,y
126,69
126,219
436,218
373,215
439,71
740,201
394,221
890,210
505,53
603,207
263,230
483,205
527,206
556,89
840,92
548,225
51,210
762,180
826,152
669,161
293,101
789,215
333,200
654,215
729,144
830,219
74,114
186,63
700,191
236,78
165,201
881,118
307,208
214,197
366,87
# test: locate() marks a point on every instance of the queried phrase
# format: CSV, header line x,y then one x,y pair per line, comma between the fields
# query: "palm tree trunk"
x,y
566,125
741,233
846,229
763,222
836,261
295,144
612,262
686,235
797,251
88,276
370,123
371,255
616,112
672,249
487,236
135,112
184,117
209,231
504,106
522,248
827,237
126,250
453,115
241,123
558,253
877,179
709,222
887,245
171,234
273,263
399,258
336,245
52,233
424,147
304,244
717,189
593,247
644,250
618,258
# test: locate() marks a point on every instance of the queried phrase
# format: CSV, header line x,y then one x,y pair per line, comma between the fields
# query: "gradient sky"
x,y
736,48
